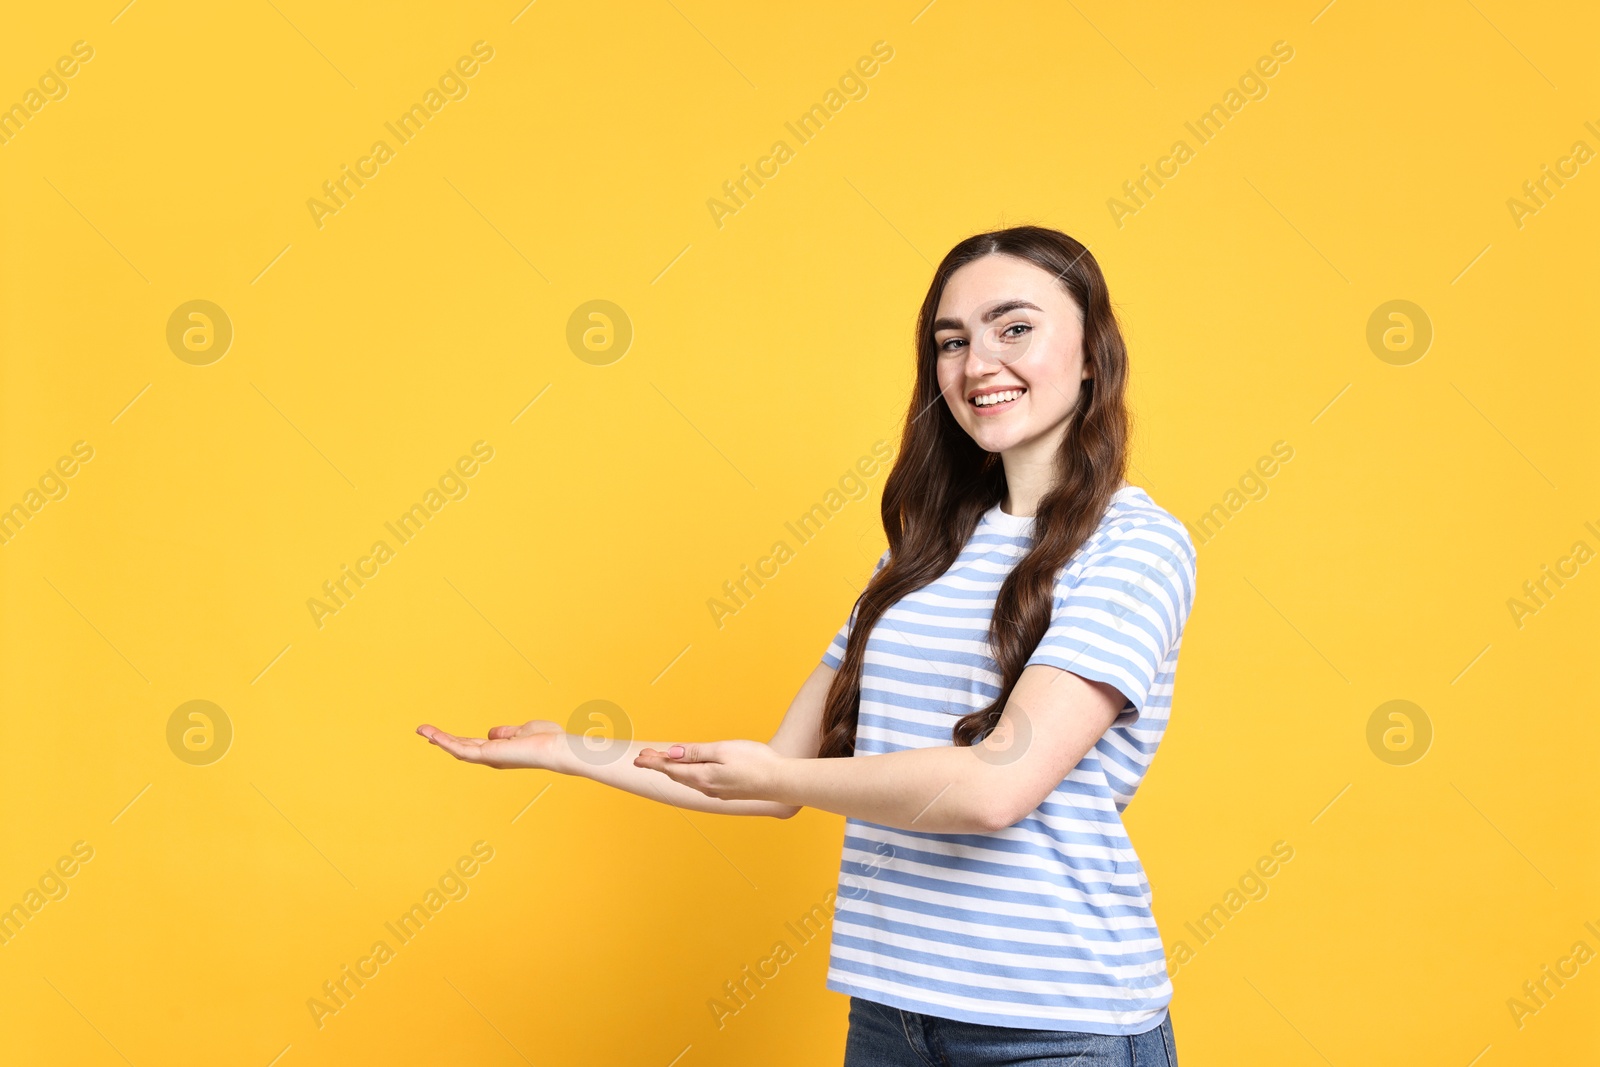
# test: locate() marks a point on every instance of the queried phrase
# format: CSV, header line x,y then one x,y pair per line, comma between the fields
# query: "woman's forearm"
x,y
945,789
610,762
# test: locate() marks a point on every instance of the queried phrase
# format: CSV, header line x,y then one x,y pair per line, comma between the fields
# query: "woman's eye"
x,y
1023,326
944,346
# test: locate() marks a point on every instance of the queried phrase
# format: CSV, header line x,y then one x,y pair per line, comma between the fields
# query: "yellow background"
x,y
768,355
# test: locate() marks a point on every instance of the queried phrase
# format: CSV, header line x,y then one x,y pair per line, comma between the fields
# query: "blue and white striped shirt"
x,y
1046,924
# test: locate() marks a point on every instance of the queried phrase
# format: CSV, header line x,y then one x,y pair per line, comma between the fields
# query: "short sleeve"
x,y
1119,615
834,655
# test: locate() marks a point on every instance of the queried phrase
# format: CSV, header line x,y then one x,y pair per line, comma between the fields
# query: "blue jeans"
x,y
881,1036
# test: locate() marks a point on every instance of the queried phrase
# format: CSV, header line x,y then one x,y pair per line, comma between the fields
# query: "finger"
x,y
503,731
469,749
464,740
694,753
651,758
659,757
535,725
657,760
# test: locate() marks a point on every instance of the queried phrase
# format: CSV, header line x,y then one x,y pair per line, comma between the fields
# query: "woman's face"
x,y
1007,328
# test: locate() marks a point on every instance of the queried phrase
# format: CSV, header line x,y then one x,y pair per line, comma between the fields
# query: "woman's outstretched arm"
x,y
543,745
1051,720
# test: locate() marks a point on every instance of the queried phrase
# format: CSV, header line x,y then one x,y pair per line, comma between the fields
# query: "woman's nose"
x,y
983,355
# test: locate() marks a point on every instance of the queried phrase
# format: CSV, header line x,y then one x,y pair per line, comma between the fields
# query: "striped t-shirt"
x,y
1046,924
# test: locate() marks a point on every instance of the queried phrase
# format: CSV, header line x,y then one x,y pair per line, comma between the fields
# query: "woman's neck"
x,y
1014,504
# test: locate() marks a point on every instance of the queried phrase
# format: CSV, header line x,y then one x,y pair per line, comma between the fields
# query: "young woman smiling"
x,y
1001,687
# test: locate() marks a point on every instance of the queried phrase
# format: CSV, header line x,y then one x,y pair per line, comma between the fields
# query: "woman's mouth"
x,y
994,403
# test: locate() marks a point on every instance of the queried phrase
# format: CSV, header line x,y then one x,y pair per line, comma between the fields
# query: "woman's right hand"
x,y
533,744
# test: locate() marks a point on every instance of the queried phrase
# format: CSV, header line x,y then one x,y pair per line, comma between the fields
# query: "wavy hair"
x,y
942,482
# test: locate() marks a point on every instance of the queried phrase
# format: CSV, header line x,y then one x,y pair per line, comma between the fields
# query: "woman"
x,y
1001,684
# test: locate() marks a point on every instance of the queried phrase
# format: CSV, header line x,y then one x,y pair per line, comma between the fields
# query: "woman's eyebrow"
x,y
989,316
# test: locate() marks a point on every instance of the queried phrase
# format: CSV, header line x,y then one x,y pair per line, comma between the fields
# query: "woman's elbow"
x,y
997,813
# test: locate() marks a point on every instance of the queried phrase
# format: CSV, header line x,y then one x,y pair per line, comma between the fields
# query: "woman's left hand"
x,y
725,770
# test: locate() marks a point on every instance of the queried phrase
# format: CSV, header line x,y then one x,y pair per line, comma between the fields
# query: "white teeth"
x,y
997,398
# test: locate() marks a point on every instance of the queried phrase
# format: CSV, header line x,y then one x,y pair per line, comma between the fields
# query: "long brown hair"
x,y
942,483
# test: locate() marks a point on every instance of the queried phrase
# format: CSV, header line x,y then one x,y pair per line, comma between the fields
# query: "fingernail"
x,y
675,751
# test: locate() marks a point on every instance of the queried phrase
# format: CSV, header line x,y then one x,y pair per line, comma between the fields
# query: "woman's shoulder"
x,y
1137,533
1133,512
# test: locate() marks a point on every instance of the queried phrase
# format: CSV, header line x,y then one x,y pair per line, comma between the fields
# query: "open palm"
x,y
528,745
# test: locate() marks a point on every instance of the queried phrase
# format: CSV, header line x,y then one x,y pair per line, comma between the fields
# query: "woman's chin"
x,y
997,438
